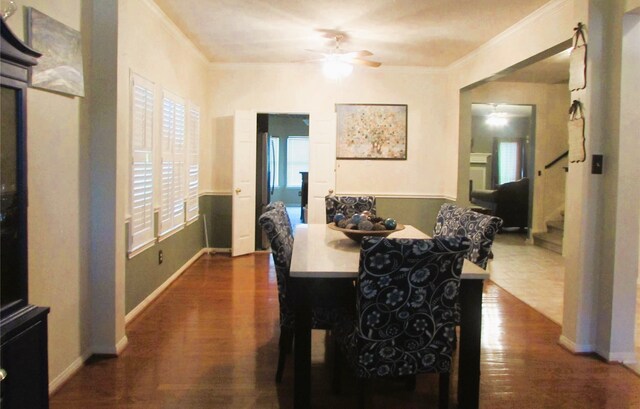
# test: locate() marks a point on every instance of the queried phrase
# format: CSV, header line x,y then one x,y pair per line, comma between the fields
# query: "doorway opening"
x,y
501,161
530,144
282,165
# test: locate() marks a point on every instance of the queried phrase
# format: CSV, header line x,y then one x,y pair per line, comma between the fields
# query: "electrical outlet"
x,y
160,257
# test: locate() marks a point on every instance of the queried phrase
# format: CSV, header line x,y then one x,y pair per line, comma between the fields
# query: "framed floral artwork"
x,y
371,131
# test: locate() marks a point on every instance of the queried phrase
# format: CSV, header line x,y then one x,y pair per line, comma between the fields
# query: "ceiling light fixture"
x,y
334,68
8,8
497,119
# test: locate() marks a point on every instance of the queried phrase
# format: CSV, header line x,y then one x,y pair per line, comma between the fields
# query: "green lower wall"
x,y
218,211
144,274
419,212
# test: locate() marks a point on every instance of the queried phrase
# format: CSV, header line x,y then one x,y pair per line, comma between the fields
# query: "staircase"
x,y
552,239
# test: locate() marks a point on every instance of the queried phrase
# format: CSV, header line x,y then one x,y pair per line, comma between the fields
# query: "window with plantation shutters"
x,y
172,177
141,226
193,158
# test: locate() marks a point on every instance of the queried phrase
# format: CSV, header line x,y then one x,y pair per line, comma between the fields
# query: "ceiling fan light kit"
x,y
334,68
338,63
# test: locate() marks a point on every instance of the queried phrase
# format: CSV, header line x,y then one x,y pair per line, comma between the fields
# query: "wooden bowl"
x,y
357,235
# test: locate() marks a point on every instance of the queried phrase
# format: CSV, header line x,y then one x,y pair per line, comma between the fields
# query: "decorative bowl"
x,y
357,235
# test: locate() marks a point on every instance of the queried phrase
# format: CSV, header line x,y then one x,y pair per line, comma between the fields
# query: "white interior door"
x,y
322,163
244,183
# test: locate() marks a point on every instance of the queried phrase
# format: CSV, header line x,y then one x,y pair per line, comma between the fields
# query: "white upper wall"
x,y
151,46
301,88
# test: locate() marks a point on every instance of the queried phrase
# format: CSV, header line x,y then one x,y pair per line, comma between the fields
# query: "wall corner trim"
x,y
147,301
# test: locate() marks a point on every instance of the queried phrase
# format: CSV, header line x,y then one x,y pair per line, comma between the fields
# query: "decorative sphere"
x,y
365,225
366,214
337,218
356,218
390,224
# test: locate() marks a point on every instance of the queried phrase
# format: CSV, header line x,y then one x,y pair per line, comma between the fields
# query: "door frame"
x,y
255,113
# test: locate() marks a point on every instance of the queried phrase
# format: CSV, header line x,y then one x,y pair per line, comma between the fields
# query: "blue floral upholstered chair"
x,y
348,205
406,290
280,205
481,229
275,224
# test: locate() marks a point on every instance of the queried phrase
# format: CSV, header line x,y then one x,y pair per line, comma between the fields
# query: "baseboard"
x,y
219,250
627,358
78,363
65,375
575,348
121,345
151,297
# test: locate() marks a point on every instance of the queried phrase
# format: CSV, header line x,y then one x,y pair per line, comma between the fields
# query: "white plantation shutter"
x,y
193,166
172,176
141,229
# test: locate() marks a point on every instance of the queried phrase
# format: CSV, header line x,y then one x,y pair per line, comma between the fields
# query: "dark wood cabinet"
x,y
23,327
304,195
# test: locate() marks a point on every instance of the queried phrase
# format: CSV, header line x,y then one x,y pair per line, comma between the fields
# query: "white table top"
x,y
319,252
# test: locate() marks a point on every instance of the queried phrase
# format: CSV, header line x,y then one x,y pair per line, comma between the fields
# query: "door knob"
x,y
3,374
238,190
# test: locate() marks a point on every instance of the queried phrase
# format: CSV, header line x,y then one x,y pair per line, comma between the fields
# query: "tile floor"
x,y
539,284
294,215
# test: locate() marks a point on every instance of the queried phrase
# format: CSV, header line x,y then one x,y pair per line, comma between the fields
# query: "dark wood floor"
x,y
210,341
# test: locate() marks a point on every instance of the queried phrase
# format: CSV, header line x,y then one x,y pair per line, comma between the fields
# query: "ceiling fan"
x,y
338,63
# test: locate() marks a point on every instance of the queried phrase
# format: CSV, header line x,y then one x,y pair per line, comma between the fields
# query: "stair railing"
x,y
556,160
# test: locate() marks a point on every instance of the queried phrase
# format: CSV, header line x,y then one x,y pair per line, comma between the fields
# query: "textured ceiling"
x,y
428,33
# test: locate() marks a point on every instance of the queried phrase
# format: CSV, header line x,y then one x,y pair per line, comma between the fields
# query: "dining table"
x,y
322,257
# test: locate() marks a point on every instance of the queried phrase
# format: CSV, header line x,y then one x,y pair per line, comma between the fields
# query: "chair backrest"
x,y
274,224
481,229
348,205
280,206
406,291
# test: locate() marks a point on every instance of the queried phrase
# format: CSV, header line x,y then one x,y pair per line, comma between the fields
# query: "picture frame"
x,y
60,67
371,131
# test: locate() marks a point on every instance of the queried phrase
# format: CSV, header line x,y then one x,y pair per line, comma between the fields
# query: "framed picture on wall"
x,y
60,67
371,131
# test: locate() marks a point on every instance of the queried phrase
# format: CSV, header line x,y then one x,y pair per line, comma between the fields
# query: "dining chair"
x,y
348,205
280,205
481,229
405,295
276,226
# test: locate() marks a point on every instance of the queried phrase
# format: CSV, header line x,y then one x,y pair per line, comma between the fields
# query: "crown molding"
x,y
550,7
214,66
175,31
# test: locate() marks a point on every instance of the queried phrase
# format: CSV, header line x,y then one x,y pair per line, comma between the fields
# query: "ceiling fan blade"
x,y
356,54
358,61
